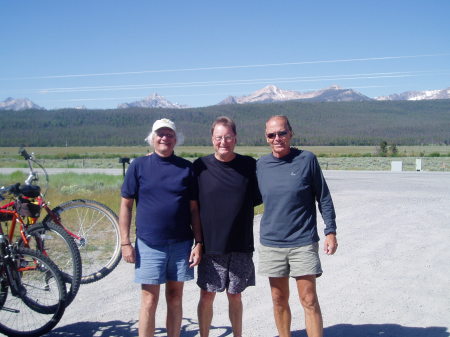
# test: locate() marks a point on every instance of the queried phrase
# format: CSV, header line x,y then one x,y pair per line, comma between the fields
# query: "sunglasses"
x,y
280,134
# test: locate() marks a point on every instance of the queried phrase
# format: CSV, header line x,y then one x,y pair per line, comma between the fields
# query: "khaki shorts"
x,y
289,261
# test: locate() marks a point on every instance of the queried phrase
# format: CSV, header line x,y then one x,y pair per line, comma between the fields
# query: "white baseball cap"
x,y
163,123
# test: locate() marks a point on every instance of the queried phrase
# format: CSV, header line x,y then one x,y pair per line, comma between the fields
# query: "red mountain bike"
x,y
93,226
21,210
32,291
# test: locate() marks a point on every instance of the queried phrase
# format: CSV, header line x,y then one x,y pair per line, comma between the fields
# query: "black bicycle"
x,y
32,291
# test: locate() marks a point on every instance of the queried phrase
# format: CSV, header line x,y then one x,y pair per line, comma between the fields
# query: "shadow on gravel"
x,y
101,329
191,329
378,330
128,329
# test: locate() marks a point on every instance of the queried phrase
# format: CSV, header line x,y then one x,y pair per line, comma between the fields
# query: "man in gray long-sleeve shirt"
x,y
291,181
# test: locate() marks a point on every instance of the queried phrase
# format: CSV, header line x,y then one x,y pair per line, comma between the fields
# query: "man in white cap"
x,y
167,219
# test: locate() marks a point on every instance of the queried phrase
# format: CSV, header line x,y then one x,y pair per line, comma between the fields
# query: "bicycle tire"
x,y
98,228
60,247
3,292
23,315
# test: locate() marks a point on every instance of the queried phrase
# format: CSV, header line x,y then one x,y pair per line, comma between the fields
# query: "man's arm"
x,y
196,253
323,198
326,208
125,213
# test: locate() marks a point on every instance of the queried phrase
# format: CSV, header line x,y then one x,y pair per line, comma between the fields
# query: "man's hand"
x,y
196,255
330,245
129,254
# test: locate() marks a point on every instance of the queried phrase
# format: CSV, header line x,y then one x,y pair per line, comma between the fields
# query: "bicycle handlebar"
x,y
33,176
24,154
18,190
12,189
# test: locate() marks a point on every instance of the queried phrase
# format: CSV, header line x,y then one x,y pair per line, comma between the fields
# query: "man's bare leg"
x,y
174,299
235,311
279,287
205,311
306,286
149,302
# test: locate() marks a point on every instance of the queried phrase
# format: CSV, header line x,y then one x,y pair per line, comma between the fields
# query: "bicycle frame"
x,y
7,209
15,217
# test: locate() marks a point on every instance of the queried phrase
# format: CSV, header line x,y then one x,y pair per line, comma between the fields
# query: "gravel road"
x,y
390,276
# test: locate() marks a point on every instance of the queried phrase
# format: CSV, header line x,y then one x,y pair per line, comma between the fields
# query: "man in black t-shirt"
x,y
227,193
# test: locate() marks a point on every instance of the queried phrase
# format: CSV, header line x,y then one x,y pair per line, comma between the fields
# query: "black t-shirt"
x,y
227,193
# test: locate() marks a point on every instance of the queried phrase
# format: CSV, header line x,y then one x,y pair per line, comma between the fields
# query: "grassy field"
x,y
105,188
114,152
435,158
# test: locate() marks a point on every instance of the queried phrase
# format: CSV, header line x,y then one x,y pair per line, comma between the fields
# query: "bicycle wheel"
x,y
59,246
41,303
97,229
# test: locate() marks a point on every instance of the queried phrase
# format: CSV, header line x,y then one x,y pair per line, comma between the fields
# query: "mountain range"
x,y
272,93
417,95
18,104
268,94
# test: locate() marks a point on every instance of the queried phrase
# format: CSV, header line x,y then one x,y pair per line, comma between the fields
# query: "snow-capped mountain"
x,y
417,95
18,104
152,101
271,93
267,94
335,94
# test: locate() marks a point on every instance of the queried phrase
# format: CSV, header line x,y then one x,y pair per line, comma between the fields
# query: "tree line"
x,y
314,123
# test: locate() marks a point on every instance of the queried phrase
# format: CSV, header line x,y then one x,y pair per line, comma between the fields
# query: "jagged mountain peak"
x,y
334,87
154,100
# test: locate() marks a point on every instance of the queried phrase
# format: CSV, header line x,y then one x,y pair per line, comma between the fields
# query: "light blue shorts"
x,y
161,263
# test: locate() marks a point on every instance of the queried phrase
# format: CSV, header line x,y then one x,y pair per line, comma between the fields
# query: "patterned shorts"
x,y
232,271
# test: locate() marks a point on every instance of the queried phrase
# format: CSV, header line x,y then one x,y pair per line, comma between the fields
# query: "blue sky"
x,y
102,53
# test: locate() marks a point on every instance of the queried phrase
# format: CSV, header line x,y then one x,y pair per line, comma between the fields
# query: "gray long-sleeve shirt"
x,y
290,186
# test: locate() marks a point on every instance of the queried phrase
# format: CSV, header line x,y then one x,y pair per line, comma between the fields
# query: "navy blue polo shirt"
x,y
162,188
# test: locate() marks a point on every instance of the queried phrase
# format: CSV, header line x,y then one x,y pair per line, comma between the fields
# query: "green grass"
x,y
67,186
108,157
98,152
